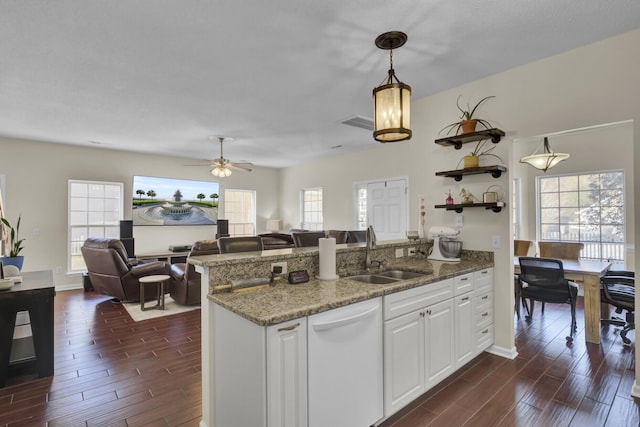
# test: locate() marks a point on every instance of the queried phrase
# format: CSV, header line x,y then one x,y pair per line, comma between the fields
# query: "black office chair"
x,y
228,245
542,279
307,239
617,288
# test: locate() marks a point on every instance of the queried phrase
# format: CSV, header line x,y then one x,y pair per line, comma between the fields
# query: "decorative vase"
x,y
468,126
16,261
471,161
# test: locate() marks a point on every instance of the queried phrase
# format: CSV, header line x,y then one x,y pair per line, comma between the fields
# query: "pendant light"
x,y
546,160
392,99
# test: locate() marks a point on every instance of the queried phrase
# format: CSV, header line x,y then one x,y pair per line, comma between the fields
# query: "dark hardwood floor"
x,y
111,371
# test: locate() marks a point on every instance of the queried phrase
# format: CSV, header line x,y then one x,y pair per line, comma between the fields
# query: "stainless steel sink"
x,y
386,277
373,279
400,274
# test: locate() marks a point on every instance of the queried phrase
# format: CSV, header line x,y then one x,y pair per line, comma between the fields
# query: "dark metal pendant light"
x,y
392,99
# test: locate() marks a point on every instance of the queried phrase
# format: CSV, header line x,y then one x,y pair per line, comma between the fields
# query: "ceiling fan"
x,y
223,167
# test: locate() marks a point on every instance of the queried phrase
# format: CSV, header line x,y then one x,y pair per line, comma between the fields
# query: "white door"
x,y
403,360
387,208
287,374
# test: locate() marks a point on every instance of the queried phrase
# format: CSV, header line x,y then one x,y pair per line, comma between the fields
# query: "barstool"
x,y
159,280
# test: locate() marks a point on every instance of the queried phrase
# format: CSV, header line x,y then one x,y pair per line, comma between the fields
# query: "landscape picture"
x,y
168,201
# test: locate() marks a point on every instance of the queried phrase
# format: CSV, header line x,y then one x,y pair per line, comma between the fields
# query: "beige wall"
x,y
37,175
585,87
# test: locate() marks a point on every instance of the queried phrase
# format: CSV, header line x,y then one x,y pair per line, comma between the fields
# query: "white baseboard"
x,y
508,353
635,390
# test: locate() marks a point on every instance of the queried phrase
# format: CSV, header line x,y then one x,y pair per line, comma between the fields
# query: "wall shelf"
x,y
496,207
494,134
457,174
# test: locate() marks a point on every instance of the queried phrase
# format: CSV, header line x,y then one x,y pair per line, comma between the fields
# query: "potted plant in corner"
x,y
15,246
468,121
472,160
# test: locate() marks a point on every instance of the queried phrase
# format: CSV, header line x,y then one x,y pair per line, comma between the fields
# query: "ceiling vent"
x,y
359,122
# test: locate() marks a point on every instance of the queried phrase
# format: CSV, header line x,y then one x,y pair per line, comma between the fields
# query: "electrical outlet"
x,y
280,264
399,252
58,270
459,220
495,242
411,251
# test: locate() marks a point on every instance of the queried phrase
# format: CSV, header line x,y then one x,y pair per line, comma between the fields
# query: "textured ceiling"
x,y
278,76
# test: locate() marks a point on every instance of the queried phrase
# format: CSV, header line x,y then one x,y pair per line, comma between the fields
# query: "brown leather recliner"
x,y
111,273
186,290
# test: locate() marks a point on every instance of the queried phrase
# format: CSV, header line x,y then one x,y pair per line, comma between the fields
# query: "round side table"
x,y
158,280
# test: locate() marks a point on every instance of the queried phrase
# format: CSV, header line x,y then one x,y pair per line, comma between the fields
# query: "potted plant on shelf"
x,y
472,160
468,121
15,247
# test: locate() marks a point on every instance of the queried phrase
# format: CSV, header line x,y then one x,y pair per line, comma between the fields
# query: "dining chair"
x,y
542,279
520,248
560,250
617,288
228,245
307,239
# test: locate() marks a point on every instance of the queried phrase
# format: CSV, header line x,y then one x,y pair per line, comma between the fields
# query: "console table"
x,y
35,294
170,257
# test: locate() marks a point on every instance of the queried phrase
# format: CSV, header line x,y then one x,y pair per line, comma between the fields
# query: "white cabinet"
x,y
483,309
439,342
287,374
418,342
260,373
404,360
431,331
464,329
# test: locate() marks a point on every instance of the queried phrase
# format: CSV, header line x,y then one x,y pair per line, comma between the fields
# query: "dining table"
x,y
587,272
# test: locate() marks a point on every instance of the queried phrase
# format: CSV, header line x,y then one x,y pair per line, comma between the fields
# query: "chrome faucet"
x,y
371,244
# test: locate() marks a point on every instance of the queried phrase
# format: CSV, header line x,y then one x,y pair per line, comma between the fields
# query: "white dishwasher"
x,y
345,365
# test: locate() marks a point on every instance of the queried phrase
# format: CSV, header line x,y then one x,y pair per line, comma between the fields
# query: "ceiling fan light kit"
x,y
392,99
222,167
546,160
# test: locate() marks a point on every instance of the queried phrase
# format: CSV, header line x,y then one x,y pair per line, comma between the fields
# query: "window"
x,y
312,209
240,210
587,208
361,206
95,210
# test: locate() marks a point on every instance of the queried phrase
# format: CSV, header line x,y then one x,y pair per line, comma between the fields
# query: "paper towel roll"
x,y
327,252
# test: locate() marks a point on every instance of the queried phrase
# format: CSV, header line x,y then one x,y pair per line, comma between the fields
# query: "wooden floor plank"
x,y
112,371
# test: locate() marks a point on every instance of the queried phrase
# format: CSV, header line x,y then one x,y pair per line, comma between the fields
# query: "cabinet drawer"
x,y
483,279
483,318
483,300
463,283
413,299
484,338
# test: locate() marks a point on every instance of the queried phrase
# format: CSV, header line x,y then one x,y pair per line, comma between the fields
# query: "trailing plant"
x,y
16,241
468,114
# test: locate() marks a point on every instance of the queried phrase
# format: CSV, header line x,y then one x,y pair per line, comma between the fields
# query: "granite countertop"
x,y
284,302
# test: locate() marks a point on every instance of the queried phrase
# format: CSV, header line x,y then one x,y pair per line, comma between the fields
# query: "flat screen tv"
x,y
169,201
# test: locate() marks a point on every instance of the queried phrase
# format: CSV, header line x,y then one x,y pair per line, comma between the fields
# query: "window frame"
x,y
110,227
248,227
593,249
312,225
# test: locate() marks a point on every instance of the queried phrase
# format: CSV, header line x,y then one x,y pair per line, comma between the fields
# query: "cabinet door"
x,y
403,360
439,342
465,330
287,374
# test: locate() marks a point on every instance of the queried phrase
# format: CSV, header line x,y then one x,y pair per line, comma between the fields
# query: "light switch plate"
x,y
495,242
399,252
459,220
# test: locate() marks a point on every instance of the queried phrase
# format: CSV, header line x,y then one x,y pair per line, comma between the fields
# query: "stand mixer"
x,y
442,233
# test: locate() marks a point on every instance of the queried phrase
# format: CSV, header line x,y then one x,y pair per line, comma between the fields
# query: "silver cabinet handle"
x,y
486,331
289,328
465,299
485,297
485,314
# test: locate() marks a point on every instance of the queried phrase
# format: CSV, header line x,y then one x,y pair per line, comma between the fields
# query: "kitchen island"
x,y
255,360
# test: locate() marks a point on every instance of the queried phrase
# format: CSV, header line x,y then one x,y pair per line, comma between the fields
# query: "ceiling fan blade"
x,y
199,164
243,166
